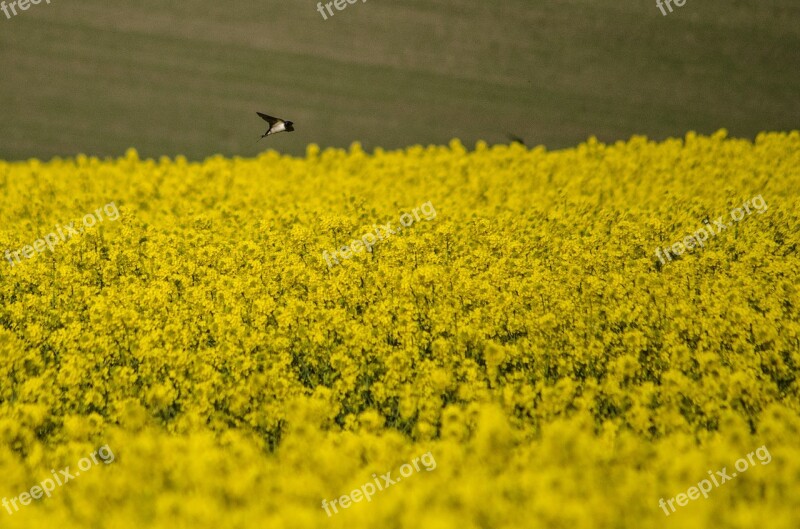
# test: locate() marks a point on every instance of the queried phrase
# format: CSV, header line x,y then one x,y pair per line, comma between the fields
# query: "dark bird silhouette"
x,y
276,125
515,139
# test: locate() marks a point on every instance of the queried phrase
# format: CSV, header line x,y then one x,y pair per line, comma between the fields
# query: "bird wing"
x,y
268,119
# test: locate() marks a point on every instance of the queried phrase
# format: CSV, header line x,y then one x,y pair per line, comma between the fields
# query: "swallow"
x,y
276,125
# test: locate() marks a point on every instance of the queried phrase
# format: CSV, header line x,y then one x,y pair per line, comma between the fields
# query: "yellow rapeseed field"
x,y
527,339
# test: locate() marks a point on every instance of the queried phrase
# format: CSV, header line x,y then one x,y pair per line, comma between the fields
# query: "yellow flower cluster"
x,y
529,337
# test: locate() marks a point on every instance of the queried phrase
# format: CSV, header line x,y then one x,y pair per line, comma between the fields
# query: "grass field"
x,y
99,76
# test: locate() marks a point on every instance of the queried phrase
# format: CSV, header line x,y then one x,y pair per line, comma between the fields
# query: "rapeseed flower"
x,y
529,337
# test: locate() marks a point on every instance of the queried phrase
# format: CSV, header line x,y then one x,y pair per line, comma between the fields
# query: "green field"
x,y
98,76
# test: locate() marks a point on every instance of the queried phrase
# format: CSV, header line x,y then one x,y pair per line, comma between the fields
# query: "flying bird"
x,y
276,125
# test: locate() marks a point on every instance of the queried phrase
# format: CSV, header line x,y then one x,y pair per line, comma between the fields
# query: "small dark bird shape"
x,y
276,125
515,139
